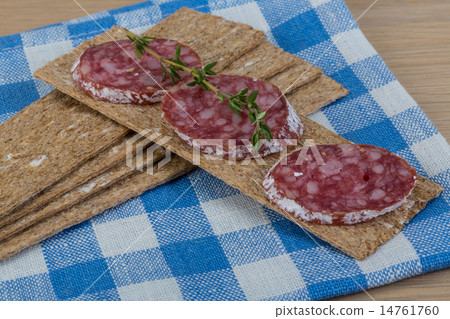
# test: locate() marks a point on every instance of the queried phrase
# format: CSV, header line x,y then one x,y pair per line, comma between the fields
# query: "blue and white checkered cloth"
x,y
216,243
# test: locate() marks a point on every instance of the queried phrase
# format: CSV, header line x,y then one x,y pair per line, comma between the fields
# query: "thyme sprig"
x,y
236,102
140,43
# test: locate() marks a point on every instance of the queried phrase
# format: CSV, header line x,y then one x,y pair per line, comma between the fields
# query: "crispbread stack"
x,y
56,141
78,194
358,240
132,186
51,203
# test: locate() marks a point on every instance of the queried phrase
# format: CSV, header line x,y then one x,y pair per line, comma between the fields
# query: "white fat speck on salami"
x,y
354,183
112,71
209,125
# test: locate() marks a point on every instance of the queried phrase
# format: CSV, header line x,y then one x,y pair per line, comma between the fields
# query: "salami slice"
x,y
112,72
340,184
208,124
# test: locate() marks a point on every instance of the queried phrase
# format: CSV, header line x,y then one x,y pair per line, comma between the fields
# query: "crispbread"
x,y
316,94
44,142
132,186
93,167
357,241
80,193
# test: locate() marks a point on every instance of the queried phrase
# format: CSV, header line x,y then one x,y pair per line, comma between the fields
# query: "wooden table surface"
x,y
412,36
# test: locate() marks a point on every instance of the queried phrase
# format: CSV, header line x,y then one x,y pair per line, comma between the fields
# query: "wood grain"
x,y
412,36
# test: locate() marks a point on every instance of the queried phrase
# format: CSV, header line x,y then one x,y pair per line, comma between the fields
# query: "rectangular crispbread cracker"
x,y
130,187
357,241
44,142
81,193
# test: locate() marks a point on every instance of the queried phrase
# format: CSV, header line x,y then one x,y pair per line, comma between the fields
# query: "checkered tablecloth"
x,y
215,243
